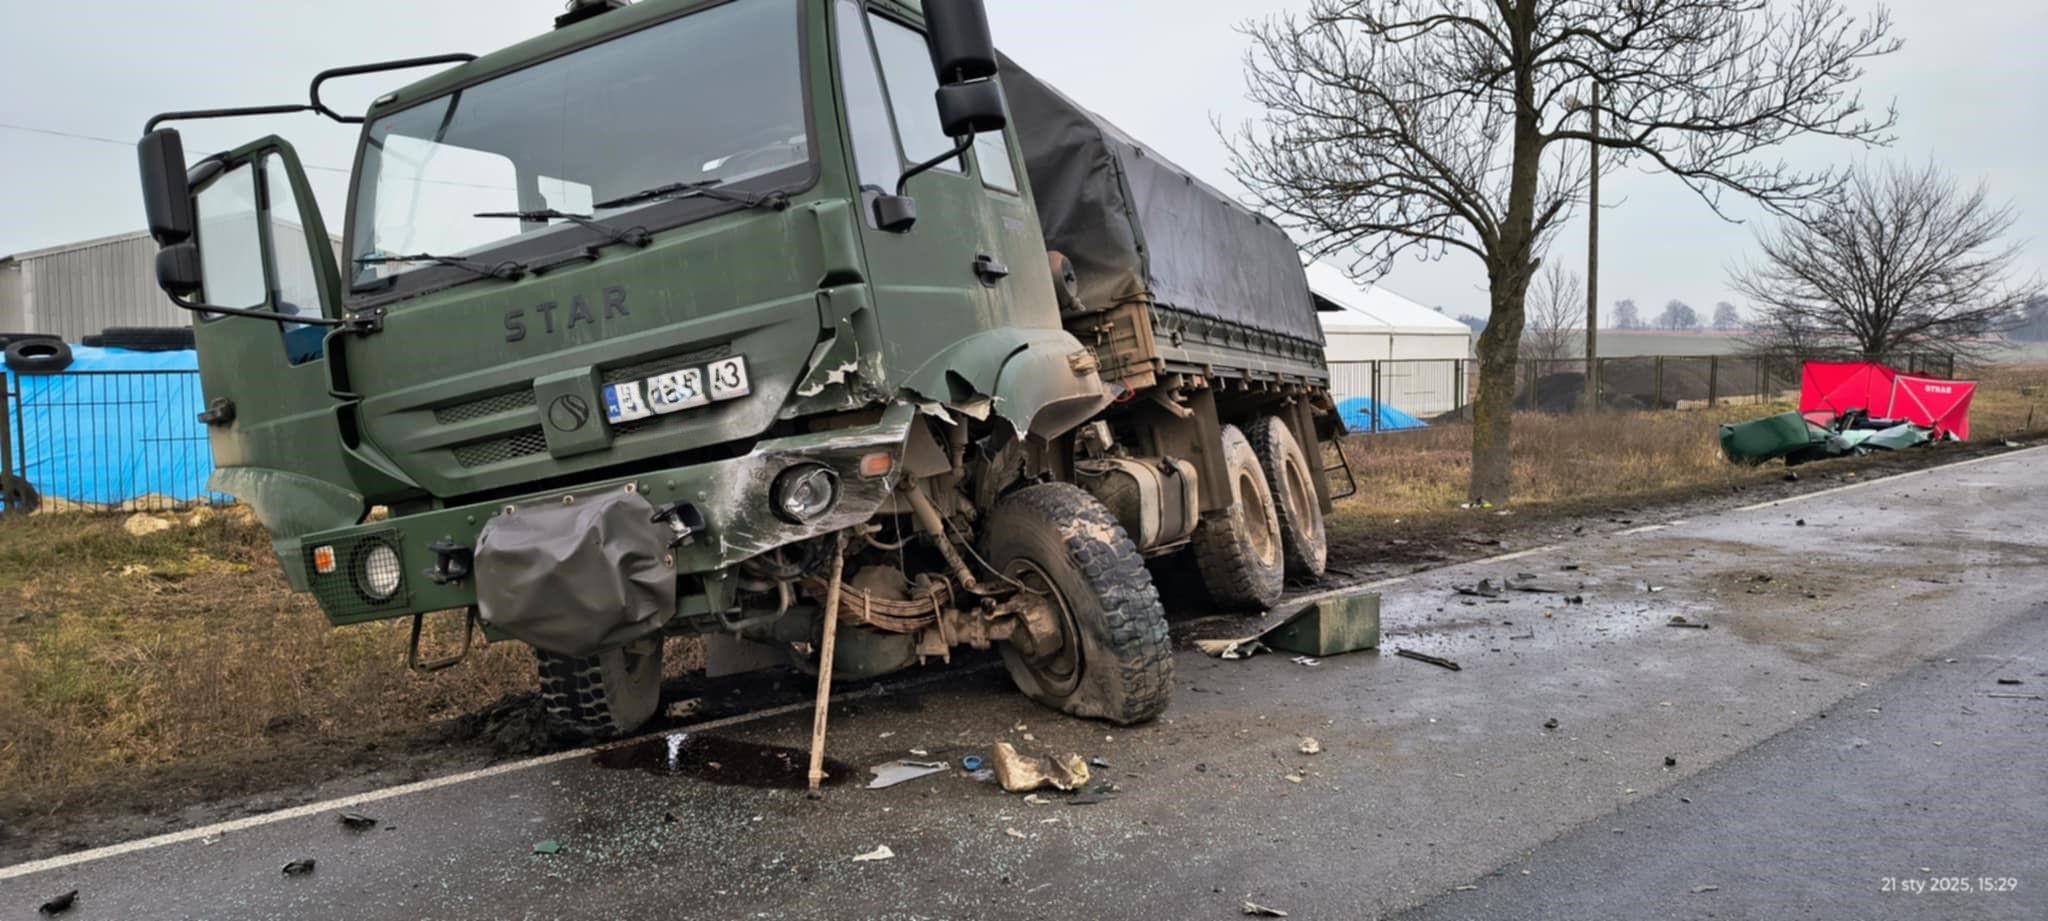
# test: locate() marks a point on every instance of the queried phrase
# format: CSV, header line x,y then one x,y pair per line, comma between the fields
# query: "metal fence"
x,y
103,440
1439,388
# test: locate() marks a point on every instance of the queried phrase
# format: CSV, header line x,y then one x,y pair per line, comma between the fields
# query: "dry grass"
x,y
1573,460
119,654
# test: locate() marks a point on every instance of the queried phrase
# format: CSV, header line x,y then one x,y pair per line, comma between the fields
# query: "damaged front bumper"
x,y
726,503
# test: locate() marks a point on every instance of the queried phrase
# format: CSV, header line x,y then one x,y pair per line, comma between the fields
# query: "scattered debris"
x,y
1295,777
143,524
896,772
685,708
970,763
2016,697
300,867
1697,890
1678,620
1100,793
356,821
1014,833
1486,588
59,905
1241,648
1465,888
1257,910
2010,681
1307,661
550,846
1550,723
1020,774
1309,746
1035,799
1530,582
1791,478
1099,761
881,852
1800,523
1670,761
1425,657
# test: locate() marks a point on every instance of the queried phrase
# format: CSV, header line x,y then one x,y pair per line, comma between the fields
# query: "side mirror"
x,y
961,47
971,108
166,193
177,269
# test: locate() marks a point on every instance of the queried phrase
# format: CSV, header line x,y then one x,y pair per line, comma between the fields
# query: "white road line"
x,y
1645,529
513,767
1889,479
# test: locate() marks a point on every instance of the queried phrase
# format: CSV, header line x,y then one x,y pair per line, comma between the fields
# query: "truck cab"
x,y
687,317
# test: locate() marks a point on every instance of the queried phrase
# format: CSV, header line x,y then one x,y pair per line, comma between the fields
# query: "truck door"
x,y
927,277
263,245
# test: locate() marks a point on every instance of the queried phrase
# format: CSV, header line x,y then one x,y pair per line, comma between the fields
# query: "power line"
x,y
52,132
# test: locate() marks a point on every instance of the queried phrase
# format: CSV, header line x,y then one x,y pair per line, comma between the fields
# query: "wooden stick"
x,y
825,651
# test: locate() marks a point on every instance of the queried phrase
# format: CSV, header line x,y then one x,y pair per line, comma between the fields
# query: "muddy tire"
x,y
1238,550
1115,660
1295,503
603,696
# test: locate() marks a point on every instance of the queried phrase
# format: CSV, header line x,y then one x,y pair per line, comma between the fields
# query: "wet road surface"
x,y
1429,781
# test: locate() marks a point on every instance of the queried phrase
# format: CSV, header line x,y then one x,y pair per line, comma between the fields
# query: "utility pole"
x,y
1593,266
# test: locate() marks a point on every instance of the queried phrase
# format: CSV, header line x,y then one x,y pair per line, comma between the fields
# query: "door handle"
x,y
989,270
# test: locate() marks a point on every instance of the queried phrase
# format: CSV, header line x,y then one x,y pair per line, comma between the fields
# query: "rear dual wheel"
x,y
1239,549
1295,503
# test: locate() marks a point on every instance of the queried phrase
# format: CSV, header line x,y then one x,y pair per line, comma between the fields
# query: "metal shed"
x,y
79,289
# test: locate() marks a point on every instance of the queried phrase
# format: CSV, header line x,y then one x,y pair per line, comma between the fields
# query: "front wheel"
x,y
602,696
1106,654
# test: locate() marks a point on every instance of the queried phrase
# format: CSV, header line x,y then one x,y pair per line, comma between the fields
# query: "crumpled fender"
x,y
1041,381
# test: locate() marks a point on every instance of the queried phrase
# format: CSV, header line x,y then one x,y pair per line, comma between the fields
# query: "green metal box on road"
x,y
1331,626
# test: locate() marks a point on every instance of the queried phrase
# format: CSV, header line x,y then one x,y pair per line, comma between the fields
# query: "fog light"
x,y
804,493
378,571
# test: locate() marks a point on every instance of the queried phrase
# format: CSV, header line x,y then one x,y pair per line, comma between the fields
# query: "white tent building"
x,y
1419,353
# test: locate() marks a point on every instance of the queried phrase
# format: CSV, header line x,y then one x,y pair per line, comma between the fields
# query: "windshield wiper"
x,y
708,188
631,236
508,270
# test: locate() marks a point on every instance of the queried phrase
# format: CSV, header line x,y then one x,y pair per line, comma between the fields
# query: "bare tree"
x,y
1726,316
1904,258
1626,316
1436,126
1678,315
1557,315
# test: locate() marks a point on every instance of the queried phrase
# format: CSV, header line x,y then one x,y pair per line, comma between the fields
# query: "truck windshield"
x,y
713,97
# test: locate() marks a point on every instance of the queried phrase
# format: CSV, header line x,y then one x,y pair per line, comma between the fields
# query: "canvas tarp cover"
x,y
1133,224
113,427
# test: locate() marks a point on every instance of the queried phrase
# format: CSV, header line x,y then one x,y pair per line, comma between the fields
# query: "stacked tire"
x,y
37,354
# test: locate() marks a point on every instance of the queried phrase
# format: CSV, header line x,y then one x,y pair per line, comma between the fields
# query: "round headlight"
x,y
804,493
378,571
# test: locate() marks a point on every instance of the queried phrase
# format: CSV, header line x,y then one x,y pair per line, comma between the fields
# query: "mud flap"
x,y
578,578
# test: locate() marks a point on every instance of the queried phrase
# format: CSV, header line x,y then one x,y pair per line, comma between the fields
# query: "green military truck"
x,y
754,320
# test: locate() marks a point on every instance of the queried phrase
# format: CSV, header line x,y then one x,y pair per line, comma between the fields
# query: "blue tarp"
x,y
1358,416
115,426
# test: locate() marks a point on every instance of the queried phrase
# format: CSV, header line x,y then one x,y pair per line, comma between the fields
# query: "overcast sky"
x,y
1970,87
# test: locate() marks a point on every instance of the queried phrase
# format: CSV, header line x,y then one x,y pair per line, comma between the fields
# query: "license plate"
x,y
675,391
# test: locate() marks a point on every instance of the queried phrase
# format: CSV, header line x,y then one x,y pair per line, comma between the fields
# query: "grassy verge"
x,y
119,654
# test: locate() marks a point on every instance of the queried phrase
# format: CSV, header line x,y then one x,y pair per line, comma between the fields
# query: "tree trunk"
x,y
1493,466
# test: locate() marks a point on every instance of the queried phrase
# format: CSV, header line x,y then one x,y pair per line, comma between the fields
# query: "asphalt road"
x,y
1801,728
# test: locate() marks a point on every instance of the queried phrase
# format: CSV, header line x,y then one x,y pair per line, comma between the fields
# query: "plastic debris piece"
x,y
881,852
58,905
1098,761
970,763
896,772
1484,588
1020,774
1309,746
1308,661
1241,648
1295,777
2010,681
1550,723
1257,910
550,846
1425,657
300,867
1678,620
356,821
1697,890
1014,833
1036,799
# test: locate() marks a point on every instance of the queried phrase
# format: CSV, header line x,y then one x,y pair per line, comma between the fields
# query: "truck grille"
x,y
522,443
488,406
